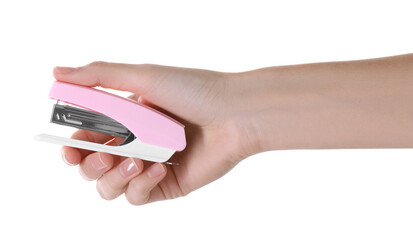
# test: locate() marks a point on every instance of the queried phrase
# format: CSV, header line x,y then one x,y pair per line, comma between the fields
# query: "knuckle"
x,y
136,194
147,66
97,64
84,174
136,200
105,190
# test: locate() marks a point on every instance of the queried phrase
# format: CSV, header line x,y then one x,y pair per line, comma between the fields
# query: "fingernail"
x,y
62,152
98,164
128,167
156,170
64,69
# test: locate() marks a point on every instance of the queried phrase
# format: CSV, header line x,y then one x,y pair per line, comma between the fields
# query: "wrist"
x,y
253,101
275,108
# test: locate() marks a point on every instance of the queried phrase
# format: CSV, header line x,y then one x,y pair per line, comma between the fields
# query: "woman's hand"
x,y
356,104
217,138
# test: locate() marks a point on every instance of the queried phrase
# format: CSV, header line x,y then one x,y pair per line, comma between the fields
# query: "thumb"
x,y
124,77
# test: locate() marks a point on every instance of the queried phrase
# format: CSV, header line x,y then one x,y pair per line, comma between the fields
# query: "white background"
x,y
334,194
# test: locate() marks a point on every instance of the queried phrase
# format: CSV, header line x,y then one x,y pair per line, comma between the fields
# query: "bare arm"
x,y
356,104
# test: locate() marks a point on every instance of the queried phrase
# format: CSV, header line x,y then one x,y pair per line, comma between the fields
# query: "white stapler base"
x,y
135,149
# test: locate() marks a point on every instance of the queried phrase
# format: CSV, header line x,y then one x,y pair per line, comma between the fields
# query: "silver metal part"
x,y
85,119
172,163
88,120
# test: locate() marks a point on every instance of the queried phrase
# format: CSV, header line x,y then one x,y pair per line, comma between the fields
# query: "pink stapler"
x,y
149,134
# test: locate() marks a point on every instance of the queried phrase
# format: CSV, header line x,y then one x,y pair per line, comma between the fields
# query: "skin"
x,y
230,116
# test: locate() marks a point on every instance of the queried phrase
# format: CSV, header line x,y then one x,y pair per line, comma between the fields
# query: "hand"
x,y
217,138
228,117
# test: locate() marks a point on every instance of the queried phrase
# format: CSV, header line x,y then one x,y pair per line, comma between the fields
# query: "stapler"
x,y
149,134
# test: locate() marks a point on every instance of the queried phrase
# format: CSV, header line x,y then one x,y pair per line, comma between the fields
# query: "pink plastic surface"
x,y
148,125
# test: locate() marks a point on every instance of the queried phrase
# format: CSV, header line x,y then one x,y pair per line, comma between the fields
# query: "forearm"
x,y
357,104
